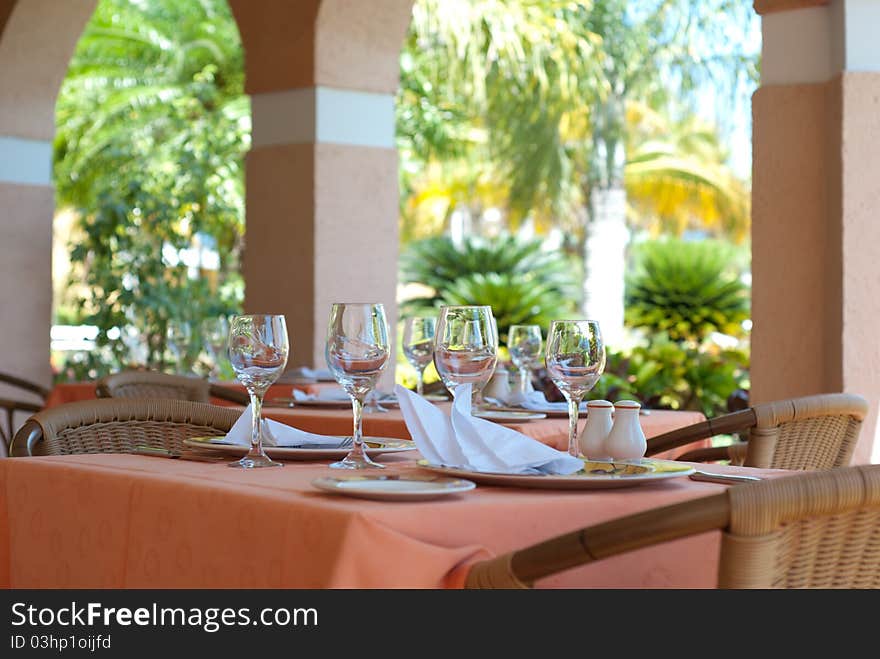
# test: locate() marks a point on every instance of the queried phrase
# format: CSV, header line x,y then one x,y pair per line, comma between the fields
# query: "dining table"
x,y
135,521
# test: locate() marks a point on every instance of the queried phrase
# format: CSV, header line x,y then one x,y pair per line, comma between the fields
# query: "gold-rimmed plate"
x,y
372,445
595,475
394,487
327,403
504,415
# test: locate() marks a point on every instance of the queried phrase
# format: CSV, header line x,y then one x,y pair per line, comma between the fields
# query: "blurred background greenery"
x,y
511,118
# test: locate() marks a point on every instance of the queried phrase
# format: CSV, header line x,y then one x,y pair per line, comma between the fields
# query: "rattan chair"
x,y
12,405
813,432
151,384
119,426
819,529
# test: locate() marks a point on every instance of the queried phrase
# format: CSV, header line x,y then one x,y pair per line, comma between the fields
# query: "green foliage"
x,y
152,128
665,374
521,281
687,289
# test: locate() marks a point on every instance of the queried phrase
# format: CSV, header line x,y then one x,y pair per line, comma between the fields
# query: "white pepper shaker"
x,y
626,441
596,429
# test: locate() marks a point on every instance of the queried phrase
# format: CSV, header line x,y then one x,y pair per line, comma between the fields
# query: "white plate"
x,y
409,487
596,475
373,446
546,412
315,402
499,415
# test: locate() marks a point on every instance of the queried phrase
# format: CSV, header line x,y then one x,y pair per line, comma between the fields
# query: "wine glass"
x,y
215,335
575,359
466,348
524,344
418,345
179,334
357,353
258,348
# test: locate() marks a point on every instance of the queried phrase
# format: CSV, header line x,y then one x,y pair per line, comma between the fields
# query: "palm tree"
x,y
552,87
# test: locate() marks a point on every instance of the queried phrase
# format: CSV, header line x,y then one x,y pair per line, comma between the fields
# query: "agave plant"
x,y
687,289
521,281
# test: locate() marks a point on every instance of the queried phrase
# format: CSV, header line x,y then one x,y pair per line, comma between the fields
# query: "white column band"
x,y
24,161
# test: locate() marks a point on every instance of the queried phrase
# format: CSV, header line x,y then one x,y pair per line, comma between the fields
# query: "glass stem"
x,y
574,403
524,379
256,420
420,383
357,406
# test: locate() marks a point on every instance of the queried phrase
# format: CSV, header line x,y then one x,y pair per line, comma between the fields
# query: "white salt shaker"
x,y
626,441
596,429
498,386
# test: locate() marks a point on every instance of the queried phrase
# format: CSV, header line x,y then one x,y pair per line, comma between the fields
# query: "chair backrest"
x,y
812,432
119,426
819,529
150,384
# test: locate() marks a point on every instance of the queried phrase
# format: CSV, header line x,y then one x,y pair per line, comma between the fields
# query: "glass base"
x,y
255,462
356,462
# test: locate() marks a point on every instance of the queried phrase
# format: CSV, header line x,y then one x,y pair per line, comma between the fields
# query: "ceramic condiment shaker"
x,y
596,429
499,386
626,441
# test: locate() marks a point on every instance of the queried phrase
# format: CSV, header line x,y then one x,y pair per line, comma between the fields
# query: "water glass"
x,y
418,345
215,336
258,349
524,344
466,348
575,360
357,352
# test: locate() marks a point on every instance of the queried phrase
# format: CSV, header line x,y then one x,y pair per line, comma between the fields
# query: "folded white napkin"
x,y
468,442
330,395
316,373
276,434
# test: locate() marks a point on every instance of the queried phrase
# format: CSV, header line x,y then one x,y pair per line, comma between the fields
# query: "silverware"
x,y
724,479
154,452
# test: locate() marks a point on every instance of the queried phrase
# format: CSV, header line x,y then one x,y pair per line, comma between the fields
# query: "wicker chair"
x,y
119,426
151,384
818,529
13,405
814,432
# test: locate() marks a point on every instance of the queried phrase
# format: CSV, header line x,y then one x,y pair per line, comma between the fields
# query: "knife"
x,y
165,453
724,479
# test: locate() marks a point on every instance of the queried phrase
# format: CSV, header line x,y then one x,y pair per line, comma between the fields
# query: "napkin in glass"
x,y
277,434
330,395
468,442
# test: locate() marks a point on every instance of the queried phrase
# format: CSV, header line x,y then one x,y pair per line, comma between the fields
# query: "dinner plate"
x,y
503,415
394,487
549,412
596,474
373,445
314,402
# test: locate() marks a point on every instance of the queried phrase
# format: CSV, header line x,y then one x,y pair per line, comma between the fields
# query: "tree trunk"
x,y
605,261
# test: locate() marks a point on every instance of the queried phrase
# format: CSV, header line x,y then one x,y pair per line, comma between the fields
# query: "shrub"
x,y
686,289
521,281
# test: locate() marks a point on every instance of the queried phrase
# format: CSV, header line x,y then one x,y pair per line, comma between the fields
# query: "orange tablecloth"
x,y
96,521
70,392
551,431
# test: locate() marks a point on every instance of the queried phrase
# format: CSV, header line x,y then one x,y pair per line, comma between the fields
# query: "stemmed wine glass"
x,y
357,353
575,359
418,345
258,348
466,348
524,345
179,335
215,333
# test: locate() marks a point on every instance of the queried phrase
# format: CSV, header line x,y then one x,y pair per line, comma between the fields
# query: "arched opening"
x,y
152,129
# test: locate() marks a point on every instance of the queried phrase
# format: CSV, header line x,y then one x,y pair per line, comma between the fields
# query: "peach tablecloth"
x,y
551,431
71,392
98,521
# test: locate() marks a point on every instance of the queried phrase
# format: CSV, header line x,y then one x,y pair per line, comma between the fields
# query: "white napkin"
x,y
330,395
276,434
315,373
468,442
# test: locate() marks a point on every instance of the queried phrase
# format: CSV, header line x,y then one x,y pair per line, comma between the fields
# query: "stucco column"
x,y
37,39
815,199
322,192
